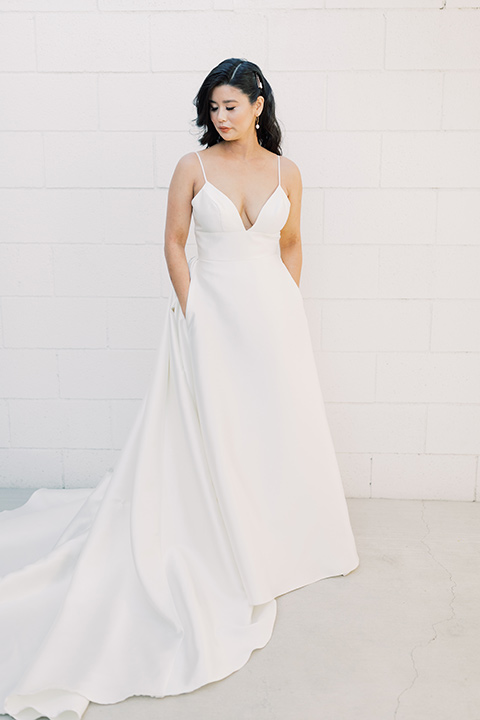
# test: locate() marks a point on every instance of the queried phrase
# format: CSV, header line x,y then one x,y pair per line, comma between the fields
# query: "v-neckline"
x,y
279,187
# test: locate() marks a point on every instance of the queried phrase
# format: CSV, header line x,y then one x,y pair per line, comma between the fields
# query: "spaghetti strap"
x,y
279,178
201,163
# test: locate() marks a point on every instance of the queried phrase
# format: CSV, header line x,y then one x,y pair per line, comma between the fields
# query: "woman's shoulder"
x,y
187,160
289,165
290,172
189,163
187,169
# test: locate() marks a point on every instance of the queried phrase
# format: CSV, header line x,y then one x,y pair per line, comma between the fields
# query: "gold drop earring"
x,y
258,124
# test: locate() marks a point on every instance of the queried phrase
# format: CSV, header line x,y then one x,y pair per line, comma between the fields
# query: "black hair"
x,y
247,77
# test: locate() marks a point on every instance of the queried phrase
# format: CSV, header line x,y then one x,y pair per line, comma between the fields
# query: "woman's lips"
x,y
223,129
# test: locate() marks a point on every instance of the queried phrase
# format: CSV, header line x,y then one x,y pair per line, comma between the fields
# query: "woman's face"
x,y
231,112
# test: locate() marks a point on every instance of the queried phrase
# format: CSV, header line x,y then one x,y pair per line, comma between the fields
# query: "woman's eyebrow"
x,y
225,101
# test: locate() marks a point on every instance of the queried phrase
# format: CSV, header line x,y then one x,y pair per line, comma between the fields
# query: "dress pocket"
x,y
291,280
191,268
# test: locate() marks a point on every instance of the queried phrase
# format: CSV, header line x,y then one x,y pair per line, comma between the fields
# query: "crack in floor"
x,y
452,615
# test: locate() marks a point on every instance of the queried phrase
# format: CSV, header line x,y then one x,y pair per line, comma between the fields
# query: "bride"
x,y
227,493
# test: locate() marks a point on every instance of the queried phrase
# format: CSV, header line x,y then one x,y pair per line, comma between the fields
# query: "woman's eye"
x,y
232,108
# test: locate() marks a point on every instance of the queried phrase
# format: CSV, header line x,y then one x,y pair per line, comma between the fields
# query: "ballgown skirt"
x,y
226,494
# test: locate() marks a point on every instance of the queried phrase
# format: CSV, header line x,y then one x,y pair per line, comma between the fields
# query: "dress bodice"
x,y
219,230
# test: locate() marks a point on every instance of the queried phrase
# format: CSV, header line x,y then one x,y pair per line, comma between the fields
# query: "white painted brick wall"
x,y
379,101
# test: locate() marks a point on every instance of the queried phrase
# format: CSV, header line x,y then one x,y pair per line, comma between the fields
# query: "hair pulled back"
x,y
247,77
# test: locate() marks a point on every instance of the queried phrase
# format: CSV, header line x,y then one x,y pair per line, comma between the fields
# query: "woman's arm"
x,y
290,240
177,224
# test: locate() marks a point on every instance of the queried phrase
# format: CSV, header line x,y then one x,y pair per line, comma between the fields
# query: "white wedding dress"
x,y
226,495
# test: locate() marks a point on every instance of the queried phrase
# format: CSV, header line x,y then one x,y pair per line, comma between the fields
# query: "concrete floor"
x,y
397,639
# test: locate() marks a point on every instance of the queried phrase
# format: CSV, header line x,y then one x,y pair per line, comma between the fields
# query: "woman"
x,y
237,112
227,493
